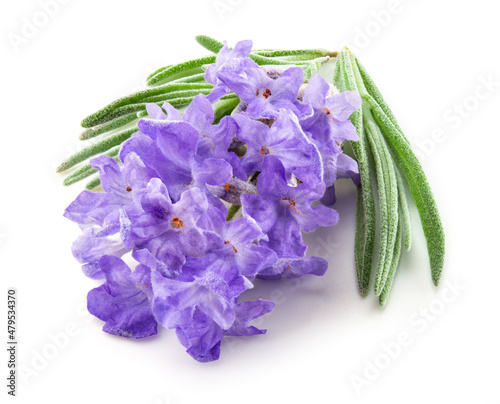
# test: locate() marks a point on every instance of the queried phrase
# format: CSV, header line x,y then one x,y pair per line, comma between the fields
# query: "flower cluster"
x,y
167,203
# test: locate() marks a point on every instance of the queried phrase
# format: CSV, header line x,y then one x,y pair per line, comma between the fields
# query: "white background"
x,y
324,343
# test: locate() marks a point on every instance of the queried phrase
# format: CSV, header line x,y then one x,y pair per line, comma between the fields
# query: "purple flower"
x,y
158,113
175,301
241,249
263,94
330,120
328,128
283,211
344,167
96,242
214,140
246,312
294,268
202,336
280,151
285,140
241,50
202,312
120,184
103,216
232,190
169,148
169,230
124,300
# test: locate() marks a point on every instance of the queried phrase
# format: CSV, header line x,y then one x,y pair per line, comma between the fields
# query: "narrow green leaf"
x,y
97,117
306,57
373,90
176,94
158,71
404,210
195,78
176,102
382,178
94,183
388,199
388,191
421,192
86,171
208,43
265,61
384,296
97,148
359,241
114,124
416,179
306,53
180,70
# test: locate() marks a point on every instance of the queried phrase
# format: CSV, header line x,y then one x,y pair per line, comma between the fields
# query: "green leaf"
x,y
404,210
388,200
195,78
180,70
176,94
94,183
158,71
420,190
127,109
301,54
209,43
97,148
416,179
97,117
373,90
107,127
384,296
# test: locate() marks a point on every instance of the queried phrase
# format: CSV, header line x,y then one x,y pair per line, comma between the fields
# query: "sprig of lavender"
x,y
166,190
379,135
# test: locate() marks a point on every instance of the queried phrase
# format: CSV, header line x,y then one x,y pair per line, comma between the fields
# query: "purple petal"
x,y
202,337
246,312
343,104
123,302
316,91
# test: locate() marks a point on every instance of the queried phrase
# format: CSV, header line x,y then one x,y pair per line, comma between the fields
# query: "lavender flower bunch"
x,y
212,174
166,206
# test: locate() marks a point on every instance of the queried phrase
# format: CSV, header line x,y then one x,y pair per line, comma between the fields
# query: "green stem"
x,y
232,212
223,108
